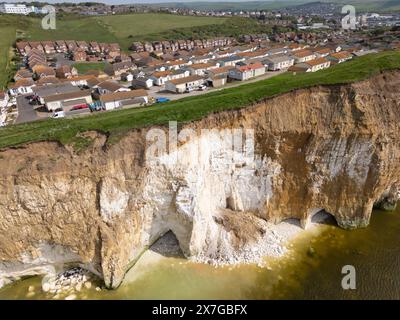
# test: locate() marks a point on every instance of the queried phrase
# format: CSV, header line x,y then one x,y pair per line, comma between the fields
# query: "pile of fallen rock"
x,y
68,283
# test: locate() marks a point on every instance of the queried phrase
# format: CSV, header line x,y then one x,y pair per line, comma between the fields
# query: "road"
x,y
158,92
26,112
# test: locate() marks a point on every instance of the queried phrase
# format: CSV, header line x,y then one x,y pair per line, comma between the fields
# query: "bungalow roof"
x,y
125,95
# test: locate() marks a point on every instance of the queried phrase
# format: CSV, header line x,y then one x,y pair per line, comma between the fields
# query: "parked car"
x,y
162,99
202,87
188,90
80,106
95,107
58,114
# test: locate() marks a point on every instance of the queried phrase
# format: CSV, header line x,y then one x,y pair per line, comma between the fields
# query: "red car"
x,y
80,106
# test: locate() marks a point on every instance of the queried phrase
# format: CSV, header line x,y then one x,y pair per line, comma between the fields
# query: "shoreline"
x,y
275,243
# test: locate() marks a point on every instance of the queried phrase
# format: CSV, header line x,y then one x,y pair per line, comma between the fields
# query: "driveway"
x,y
26,112
62,60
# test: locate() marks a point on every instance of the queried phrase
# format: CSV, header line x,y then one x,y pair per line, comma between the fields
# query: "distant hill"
x,y
363,5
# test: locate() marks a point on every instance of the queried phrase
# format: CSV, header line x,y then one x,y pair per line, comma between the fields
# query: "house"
x,y
82,80
94,47
340,57
201,68
49,47
22,74
247,72
301,67
253,54
218,77
22,86
278,62
318,64
92,82
71,45
123,57
41,71
36,45
118,68
176,64
82,45
127,77
61,46
23,47
66,71
180,85
178,74
79,55
218,71
278,50
107,86
161,77
230,61
311,66
218,81
67,101
47,81
143,82
301,56
335,47
35,57
124,99
53,89
4,98
322,52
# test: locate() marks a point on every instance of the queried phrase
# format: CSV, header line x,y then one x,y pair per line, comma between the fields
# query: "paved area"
x,y
62,60
26,111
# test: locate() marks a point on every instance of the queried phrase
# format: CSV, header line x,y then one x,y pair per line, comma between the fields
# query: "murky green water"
x,y
374,252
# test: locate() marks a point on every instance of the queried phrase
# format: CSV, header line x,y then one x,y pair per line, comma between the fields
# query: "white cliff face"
x,y
219,193
189,188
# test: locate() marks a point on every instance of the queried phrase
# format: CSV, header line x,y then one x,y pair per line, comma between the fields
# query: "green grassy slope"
x,y
123,29
117,123
7,35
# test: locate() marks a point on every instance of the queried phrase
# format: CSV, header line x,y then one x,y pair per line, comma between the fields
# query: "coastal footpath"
x,y
332,148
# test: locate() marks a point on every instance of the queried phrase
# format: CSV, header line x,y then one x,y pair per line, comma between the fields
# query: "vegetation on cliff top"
x,y
118,122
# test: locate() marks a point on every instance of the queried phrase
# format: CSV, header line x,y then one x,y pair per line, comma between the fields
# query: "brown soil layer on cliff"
x,y
115,124
335,148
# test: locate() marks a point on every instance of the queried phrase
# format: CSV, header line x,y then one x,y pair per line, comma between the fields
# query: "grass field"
x,y
138,26
7,37
123,29
85,67
116,123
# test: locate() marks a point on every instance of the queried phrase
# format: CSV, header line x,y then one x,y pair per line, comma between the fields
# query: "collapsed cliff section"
x,y
332,148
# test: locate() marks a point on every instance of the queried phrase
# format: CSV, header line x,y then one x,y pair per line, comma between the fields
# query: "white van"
x,y
58,114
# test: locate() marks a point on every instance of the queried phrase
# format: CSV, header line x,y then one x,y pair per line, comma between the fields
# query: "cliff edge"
x,y
333,148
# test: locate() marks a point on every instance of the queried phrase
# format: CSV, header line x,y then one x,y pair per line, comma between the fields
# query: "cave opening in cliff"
x,y
168,246
323,217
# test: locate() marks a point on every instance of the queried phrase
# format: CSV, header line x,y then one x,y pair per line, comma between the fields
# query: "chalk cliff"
x,y
335,148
